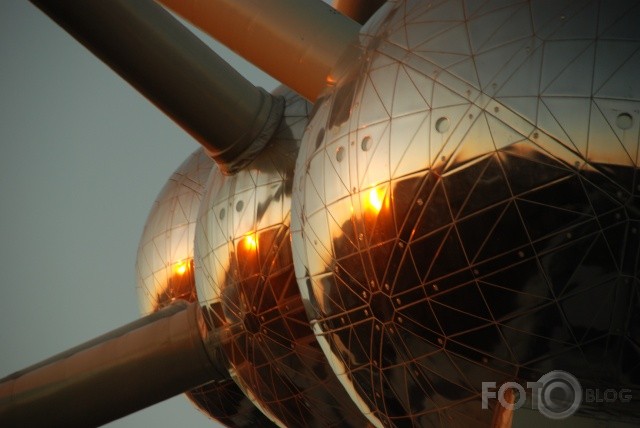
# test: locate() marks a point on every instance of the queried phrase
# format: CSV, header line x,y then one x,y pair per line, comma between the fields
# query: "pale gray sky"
x,y
83,156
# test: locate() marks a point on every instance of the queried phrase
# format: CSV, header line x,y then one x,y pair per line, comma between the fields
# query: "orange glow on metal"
x,y
180,268
376,197
250,242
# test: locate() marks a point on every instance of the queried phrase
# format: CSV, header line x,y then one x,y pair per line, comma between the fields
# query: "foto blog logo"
x,y
556,395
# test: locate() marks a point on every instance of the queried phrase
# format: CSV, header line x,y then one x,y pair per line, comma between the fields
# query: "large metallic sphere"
x,y
466,206
244,276
165,274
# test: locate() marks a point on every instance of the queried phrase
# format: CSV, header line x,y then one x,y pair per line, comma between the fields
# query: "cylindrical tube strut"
x,y
174,69
133,367
298,42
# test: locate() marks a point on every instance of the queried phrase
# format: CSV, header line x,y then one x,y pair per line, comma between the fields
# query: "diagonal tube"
x,y
176,71
128,369
298,42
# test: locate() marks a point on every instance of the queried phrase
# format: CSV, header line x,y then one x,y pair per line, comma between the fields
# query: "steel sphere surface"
x,y
245,278
165,273
466,206
164,265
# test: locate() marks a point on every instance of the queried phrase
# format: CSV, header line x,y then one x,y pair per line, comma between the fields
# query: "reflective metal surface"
x,y
226,403
164,265
156,357
176,71
165,273
466,206
244,276
297,42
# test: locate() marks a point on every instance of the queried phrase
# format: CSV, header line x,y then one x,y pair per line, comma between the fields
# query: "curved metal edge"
x,y
241,154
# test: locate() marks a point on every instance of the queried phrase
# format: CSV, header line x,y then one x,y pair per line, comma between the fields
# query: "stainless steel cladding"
x,y
246,283
164,265
466,206
165,274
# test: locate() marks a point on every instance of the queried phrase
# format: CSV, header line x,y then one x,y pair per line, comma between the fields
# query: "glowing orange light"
x,y
180,268
250,242
376,196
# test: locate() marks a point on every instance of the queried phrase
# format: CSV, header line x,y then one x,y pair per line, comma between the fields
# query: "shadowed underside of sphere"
x,y
226,403
165,273
466,206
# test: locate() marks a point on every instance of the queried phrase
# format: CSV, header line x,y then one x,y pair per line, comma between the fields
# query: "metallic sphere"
x,y
165,274
164,265
466,206
245,281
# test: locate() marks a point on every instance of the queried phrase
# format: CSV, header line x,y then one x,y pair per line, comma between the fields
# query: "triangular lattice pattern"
x,y
245,268
477,216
